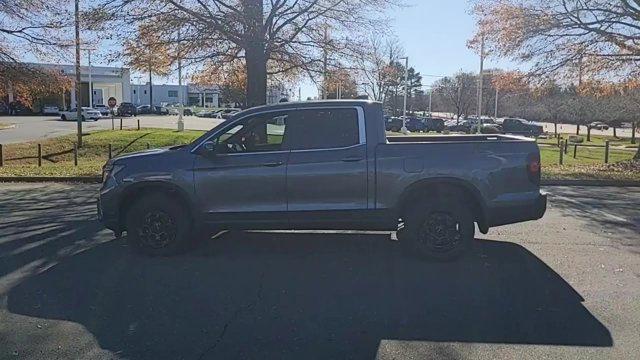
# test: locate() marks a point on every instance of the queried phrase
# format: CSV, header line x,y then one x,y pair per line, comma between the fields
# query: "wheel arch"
x,y
144,188
470,191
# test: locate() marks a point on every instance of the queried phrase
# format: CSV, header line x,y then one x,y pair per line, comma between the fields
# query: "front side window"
x,y
324,129
259,133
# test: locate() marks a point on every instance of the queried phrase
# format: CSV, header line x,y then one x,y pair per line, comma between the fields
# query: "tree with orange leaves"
x,y
573,40
149,55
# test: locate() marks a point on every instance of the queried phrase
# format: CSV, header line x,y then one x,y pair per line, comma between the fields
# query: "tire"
x,y
425,227
83,119
63,118
157,225
394,129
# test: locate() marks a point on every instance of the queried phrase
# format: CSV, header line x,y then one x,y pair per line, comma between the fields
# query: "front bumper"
x,y
522,211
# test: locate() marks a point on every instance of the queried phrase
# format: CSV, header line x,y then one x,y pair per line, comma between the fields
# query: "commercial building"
x,y
192,95
107,82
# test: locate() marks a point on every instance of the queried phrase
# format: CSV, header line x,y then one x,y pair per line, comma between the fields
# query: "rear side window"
x,y
323,129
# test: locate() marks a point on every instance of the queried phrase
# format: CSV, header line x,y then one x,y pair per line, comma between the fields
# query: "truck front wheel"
x,y
158,226
440,229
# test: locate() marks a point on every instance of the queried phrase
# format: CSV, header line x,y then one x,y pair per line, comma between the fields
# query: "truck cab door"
x,y
240,173
327,166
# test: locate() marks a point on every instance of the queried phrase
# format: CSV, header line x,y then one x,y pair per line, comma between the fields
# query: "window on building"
x,y
134,92
173,93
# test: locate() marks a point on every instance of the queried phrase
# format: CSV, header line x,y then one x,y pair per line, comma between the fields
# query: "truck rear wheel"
x,y
158,226
440,229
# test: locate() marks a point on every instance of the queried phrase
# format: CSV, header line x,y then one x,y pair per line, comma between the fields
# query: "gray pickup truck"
x,y
322,165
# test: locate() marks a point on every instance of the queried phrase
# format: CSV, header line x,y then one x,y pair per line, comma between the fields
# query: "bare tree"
x,y
458,92
374,65
286,33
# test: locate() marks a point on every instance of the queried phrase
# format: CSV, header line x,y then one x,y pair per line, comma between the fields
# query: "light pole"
x,y
406,89
90,81
480,84
78,104
430,92
495,116
180,95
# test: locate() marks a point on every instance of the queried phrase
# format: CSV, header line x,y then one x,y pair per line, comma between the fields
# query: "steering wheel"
x,y
236,146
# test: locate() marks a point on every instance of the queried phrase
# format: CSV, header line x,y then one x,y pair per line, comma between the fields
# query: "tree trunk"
x,y
577,129
256,75
637,155
150,88
633,132
615,135
255,56
588,133
555,128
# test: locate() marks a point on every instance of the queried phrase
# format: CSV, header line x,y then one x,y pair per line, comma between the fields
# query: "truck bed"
x,y
456,138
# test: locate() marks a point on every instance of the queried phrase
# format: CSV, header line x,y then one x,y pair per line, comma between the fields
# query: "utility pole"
x,y
78,104
495,115
180,94
90,81
430,92
406,90
325,60
480,83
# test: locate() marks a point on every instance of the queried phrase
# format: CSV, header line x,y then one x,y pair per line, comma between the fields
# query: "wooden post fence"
x,y
110,151
566,145
1,156
39,155
75,154
138,124
606,152
561,155
148,146
575,151
120,123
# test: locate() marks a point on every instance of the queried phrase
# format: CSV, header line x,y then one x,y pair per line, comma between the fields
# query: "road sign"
x,y
112,102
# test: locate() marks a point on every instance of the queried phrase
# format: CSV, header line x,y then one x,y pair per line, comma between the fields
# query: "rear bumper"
x,y
523,211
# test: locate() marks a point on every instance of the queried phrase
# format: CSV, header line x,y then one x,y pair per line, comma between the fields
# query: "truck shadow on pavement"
x,y
299,296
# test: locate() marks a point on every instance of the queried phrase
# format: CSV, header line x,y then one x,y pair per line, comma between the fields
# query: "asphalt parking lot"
x,y
29,128
567,286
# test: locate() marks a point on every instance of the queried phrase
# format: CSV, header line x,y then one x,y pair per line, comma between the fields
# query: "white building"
x,y
107,82
192,95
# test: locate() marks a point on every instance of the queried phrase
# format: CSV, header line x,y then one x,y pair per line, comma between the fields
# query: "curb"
x,y
567,182
71,179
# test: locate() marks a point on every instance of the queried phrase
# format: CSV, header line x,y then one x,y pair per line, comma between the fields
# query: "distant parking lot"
x,y
566,286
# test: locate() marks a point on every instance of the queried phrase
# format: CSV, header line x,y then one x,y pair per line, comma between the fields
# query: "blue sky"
x,y
434,35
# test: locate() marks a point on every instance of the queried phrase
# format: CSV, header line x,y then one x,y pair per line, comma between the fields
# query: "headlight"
x,y
110,169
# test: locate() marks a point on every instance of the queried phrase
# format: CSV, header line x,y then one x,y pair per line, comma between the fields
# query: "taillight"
x,y
534,168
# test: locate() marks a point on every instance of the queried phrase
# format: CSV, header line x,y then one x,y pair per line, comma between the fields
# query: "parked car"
x,y
50,110
393,124
521,127
434,124
208,113
144,109
126,109
598,125
464,126
87,114
104,109
227,113
175,110
4,109
328,166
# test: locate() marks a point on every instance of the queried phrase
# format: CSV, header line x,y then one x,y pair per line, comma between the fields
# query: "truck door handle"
x,y
273,164
352,159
